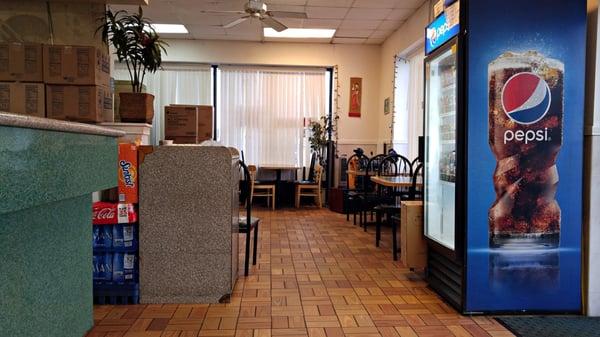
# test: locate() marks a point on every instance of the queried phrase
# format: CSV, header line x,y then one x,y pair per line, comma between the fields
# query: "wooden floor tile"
x,y
316,276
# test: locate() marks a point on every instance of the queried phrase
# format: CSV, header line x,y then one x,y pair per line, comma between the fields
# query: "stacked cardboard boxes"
x,y
188,124
62,82
77,84
21,77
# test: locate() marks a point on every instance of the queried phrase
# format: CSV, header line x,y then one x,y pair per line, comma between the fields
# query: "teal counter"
x,y
49,170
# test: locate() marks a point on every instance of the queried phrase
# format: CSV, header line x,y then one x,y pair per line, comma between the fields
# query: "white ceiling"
x,y
356,21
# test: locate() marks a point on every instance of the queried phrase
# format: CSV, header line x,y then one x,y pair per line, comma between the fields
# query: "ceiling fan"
x,y
258,10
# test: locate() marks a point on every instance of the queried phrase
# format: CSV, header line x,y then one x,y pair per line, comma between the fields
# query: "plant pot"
x,y
136,107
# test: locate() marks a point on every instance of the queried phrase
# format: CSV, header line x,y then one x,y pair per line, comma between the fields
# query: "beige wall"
x,y
411,32
352,60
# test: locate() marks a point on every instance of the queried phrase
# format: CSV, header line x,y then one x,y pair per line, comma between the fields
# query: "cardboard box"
x,y
79,103
184,140
205,120
76,65
23,98
21,62
128,173
413,248
181,121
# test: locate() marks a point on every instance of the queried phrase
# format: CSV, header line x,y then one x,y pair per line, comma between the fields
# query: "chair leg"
x,y
298,196
394,236
366,221
320,198
247,256
273,202
377,228
354,216
255,244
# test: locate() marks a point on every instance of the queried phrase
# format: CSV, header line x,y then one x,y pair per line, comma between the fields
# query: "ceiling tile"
x,y
375,40
400,14
390,25
211,5
285,2
343,40
203,30
326,12
381,33
368,13
159,13
360,24
240,38
330,3
248,27
414,4
287,8
353,33
374,3
322,23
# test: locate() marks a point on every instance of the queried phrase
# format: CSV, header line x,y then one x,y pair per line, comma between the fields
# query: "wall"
x,y
411,32
591,214
73,23
352,60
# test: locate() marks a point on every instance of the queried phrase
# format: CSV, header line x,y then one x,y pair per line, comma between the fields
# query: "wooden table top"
x,y
278,167
356,172
394,181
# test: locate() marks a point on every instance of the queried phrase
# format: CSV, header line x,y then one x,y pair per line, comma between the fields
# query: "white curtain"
x,y
174,84
415,103
263,110
408,104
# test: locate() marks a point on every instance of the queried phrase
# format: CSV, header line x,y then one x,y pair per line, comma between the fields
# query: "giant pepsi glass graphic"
x,y
525,135
525,71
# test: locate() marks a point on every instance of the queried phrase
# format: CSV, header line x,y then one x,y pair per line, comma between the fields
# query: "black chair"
x,y
248,224
351,195
415,162
392,165
369,197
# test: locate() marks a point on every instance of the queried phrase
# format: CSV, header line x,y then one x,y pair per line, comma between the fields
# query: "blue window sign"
x,y
439,32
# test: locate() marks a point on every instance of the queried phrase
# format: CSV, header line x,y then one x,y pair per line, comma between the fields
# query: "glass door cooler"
x,y
503,151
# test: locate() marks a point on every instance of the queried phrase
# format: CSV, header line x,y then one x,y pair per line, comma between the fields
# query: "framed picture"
x,y
355,97
386,106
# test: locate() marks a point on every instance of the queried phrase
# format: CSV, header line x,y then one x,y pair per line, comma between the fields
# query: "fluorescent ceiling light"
x,y
300,33
163,28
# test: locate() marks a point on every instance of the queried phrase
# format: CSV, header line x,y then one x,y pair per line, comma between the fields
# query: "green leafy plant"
x,y
320,135
136,43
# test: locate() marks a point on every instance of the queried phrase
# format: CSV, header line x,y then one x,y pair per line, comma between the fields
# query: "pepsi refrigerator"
x,y
504,102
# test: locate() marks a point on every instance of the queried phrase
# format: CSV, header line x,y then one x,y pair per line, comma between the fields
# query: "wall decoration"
x,y
355,96
386,106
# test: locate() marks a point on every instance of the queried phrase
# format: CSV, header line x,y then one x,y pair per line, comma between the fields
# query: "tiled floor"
x,y
317,276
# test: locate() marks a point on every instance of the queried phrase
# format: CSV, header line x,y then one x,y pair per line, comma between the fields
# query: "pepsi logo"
x,y
526,98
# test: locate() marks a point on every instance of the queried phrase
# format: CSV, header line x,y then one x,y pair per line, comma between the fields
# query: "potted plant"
x,y
319,137
136,44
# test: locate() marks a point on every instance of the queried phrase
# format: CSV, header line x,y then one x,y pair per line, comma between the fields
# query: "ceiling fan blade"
x,y
291,15
236,22
207,11
270,22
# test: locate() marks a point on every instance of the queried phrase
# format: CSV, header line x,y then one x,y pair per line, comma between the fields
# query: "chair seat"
x,y
243,223
263,186
386,207
306,182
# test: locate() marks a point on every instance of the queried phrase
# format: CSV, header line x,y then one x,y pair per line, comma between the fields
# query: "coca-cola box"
x,y
128,173
114,226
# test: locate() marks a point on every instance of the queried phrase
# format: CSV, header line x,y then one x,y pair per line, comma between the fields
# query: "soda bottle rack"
x,y
116,293
115,253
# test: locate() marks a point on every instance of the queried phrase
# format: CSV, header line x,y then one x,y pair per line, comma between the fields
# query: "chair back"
x,y
415,162
359,162
247,192
371,169
395,165
318,174
252,169
415,193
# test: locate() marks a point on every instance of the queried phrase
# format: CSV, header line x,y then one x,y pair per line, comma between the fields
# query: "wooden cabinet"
x,y
412,240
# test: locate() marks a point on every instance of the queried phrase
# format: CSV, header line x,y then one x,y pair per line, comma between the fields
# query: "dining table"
x,y
395,181
278,168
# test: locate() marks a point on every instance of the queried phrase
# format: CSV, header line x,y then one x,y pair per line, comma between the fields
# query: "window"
x,y
174,84
408,103
262,111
